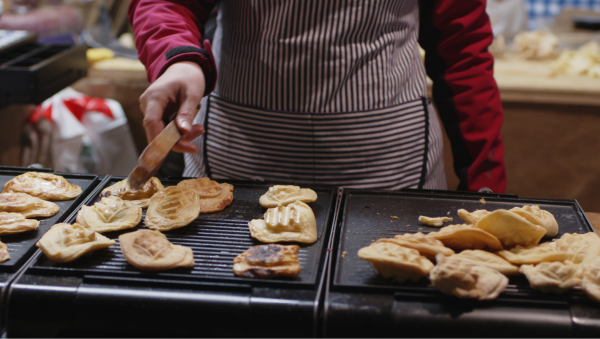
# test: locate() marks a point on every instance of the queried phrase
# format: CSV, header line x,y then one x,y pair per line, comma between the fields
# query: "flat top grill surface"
x,y
367,216
21,245
215,238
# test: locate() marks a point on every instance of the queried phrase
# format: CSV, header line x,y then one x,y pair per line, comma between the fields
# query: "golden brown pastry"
x,y
11,223
428,247
110,214
173,207
467,279
511,229
4,256
294,222
538,217
214,197
533,254
488,259
466,237
473,217
391,260
436,222
578,246
267,261
152,251
43,185
140,197
591,278
65,242
553,277
27,205
286,194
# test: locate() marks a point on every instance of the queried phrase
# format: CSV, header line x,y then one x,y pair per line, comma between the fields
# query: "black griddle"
x,y
97,289
21,246
361,303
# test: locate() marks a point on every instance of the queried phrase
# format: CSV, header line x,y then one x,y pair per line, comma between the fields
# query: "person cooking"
x,y
326,92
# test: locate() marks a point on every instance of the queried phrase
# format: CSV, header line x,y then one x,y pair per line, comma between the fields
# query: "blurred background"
x,y
70,83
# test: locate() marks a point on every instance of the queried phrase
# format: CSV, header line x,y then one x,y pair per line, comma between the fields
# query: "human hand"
x,y
183,82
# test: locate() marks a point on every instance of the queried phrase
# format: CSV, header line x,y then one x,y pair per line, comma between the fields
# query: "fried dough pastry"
x,y
533,254
436,222
65,242
4,256
173,207
511,229
578,246
391,260
428,247
152,251
294,222
591,278
110,214
553,277
11,223
27,205
488,259
286,194
538,217
140,197
43,185
467,279
473,217
214,197
267,261
466,237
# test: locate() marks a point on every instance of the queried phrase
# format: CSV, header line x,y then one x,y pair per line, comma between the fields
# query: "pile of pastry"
x,y
288,219
120,208
473,260
26,196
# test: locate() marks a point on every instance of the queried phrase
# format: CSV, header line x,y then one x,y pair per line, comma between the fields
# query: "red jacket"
x,y
455,35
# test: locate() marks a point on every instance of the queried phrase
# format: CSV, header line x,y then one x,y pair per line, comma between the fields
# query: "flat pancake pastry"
x,y
214,197
473,217
534,254
65,242
267,261
173,207
140,197
27,205
466,279
427,246
294,222
110,214
11,223
553,277
538,216
4,256
43,185
152,251
488,259
578,246
437,222
591,279
511,229
286,194
391,260
466,237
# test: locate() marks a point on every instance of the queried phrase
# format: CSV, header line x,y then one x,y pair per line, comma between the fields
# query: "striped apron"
x,y
320,93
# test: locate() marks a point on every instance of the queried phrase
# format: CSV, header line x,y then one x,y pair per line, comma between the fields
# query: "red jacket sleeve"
x,y
455,35
169,31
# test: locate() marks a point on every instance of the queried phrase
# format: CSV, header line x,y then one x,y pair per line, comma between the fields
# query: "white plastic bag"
x,y
508,17
90,135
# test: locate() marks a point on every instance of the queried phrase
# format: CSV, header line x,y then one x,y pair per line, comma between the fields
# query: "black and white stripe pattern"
x,y
383,148
341,56
320,56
